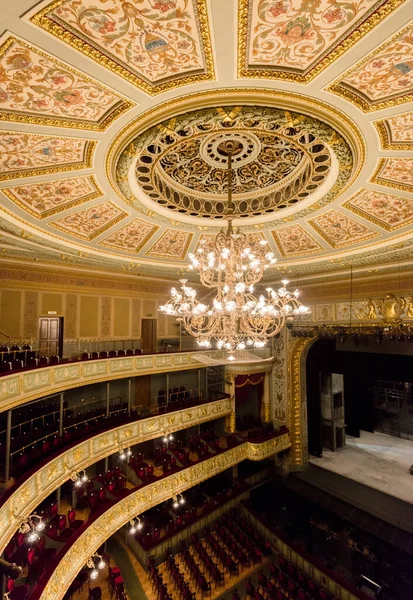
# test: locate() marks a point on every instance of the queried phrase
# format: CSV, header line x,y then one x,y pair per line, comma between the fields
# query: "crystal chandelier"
x,y
237,318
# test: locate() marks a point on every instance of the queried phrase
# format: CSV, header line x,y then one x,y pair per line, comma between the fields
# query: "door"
x,y
51,336
148,335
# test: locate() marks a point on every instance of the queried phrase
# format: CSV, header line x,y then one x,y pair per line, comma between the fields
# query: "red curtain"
x,y
243,385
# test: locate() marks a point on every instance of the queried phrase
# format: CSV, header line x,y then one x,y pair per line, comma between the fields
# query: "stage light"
x,y
356,340
378,338
342,337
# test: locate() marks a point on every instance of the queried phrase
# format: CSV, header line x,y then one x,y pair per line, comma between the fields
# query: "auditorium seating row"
x,y
17,358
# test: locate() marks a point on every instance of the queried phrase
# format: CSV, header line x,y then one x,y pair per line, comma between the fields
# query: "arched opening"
x,y
358,383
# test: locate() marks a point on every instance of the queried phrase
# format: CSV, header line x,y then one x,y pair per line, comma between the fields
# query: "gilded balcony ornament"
x,y
391,309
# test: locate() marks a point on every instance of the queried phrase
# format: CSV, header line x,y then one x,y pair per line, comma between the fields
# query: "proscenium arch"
x,y
298,349
141,500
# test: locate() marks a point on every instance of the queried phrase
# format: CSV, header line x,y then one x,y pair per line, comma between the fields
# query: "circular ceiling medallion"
x,y
282,158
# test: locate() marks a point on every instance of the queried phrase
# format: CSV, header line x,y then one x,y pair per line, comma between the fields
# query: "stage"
x,y
371,473
374,459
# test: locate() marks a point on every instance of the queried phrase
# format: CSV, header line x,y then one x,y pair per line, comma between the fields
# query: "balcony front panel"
x,y
27,385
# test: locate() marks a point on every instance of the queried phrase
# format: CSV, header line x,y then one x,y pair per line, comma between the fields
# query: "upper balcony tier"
x,y
30,384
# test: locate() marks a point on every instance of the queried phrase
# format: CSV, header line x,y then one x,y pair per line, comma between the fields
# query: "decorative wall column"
x,y
230,420
279,379
265,404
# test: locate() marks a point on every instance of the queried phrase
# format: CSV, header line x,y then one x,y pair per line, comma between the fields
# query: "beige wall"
x,y
98,316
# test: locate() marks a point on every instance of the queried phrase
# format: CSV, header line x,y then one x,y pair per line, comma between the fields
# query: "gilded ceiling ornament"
x,y
296,41
155,45
282,159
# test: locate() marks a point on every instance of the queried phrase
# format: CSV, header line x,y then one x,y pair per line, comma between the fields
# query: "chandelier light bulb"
x,y
231,357
32,537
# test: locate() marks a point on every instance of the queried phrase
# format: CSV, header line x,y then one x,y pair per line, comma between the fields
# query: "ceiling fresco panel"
x,y
36,88
90,222
154,44
173,244
295,41
384,78
396,132
132,237
389,211
206,241
26,154
47,198
340,230
295,241
395,172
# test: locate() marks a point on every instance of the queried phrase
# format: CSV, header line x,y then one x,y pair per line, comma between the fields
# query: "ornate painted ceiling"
x,y
112,112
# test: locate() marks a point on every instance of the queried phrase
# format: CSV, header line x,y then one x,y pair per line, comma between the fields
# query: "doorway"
x,y
148,335
51,336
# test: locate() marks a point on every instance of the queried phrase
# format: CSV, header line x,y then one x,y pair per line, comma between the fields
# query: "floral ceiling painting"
x,y
384,78
295,241
340,230
90,222
46,198
36,88
206,240
172,244
24,154
395,172
396,132
132,237
151,43
386,210
296,40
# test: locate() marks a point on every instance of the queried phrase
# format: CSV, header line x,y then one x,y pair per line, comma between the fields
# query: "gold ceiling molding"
x,y
143,499
41,19
230,97
48,478
246,71
33,119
